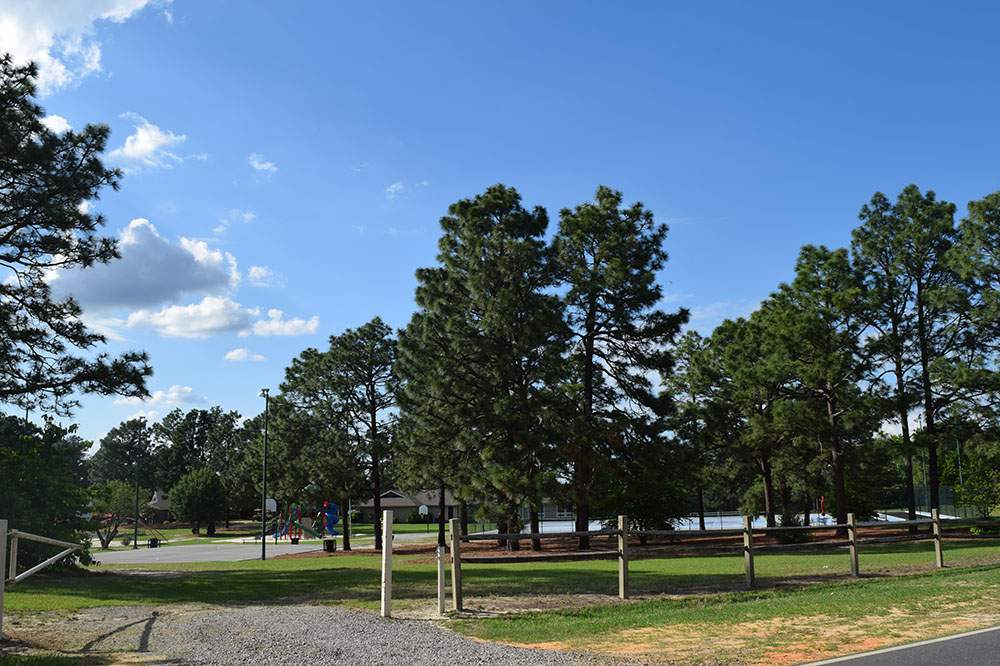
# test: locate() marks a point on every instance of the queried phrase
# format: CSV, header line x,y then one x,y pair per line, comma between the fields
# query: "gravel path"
x,y
277,635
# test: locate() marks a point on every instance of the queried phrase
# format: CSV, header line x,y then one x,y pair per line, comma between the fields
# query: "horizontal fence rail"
x,y
12,575
748,548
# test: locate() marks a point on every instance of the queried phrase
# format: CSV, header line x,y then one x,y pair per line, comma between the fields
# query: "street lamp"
x,y
263,496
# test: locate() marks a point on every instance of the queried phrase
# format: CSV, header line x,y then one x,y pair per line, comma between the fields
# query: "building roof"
x,y
397,499
160,501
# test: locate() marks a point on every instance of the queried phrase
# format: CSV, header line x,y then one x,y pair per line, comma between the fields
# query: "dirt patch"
x,y
101,629
791,640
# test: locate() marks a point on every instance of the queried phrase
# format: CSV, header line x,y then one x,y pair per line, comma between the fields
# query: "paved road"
x,y
230,552
977,648
211,552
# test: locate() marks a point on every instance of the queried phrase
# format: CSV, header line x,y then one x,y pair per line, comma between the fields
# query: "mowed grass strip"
x,y
354,579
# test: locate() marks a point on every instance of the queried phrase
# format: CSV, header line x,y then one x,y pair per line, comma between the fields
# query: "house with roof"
x,y
404,505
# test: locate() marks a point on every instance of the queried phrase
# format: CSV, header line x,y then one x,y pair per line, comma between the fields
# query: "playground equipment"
x,y
292,525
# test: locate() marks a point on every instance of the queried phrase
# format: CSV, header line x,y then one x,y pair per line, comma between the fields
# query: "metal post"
x,y
936,526
852,543
3,567
748,549
622,557
456,564
263,494
135,513
387,563
440,581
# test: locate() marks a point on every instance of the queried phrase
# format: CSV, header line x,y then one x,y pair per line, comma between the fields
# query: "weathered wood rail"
x,y
12,575
623,535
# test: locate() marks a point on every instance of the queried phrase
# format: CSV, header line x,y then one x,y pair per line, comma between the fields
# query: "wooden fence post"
x,y
387,563
456,564
852,543
748,549
3,568
440,581
622,557
12,559
936,526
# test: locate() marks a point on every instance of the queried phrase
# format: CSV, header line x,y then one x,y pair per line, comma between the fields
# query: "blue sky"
x,y
321,142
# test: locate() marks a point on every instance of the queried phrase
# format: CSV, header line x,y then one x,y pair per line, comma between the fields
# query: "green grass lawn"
x,y
803,597
768,626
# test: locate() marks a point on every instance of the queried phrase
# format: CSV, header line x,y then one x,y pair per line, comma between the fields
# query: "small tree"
x,y
199,497
980,481
114,505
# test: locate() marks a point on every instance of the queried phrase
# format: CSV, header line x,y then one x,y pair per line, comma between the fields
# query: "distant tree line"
x,y
539,364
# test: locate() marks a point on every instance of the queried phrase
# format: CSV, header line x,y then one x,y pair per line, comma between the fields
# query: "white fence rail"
x,y
12,575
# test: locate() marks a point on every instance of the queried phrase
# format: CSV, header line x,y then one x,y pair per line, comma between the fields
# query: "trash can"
x,y
330,545
154,542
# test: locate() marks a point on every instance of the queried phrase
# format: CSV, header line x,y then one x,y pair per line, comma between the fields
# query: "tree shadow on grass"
x,y
359,584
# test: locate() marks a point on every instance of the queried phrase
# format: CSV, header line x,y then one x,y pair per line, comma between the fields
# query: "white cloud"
x,y
59,38
243,354
394,190
56,124
106,326
260,276
84,207
257,161
148,145
217,259
172,397
234,215
149,414
210,316
276,324
399,188
704,318
152,270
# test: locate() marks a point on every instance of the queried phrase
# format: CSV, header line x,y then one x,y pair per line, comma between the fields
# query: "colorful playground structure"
x,y
292,524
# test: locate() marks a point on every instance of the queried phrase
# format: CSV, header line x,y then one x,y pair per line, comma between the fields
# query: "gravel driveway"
x,y
274,635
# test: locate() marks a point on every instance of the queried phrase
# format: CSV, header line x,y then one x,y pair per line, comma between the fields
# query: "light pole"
x,y
263,496
135,516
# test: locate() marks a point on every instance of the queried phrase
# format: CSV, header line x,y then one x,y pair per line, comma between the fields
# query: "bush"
x,y
980,530
416,518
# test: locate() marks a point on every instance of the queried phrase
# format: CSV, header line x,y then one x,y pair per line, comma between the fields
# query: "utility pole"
x,y
135,516
263,496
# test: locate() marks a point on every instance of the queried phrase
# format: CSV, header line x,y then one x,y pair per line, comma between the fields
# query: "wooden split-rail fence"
x,y
623,534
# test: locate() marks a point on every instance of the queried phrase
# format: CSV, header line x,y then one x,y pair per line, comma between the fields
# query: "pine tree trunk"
x,y
584,464
346,523
442,508
502,528
787,510
463,516
904,421
933,475
837,462
514,525
765,473
536,543
376,477
701,507
807,502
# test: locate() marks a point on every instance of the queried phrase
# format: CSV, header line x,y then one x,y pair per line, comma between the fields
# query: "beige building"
x,y
404,505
